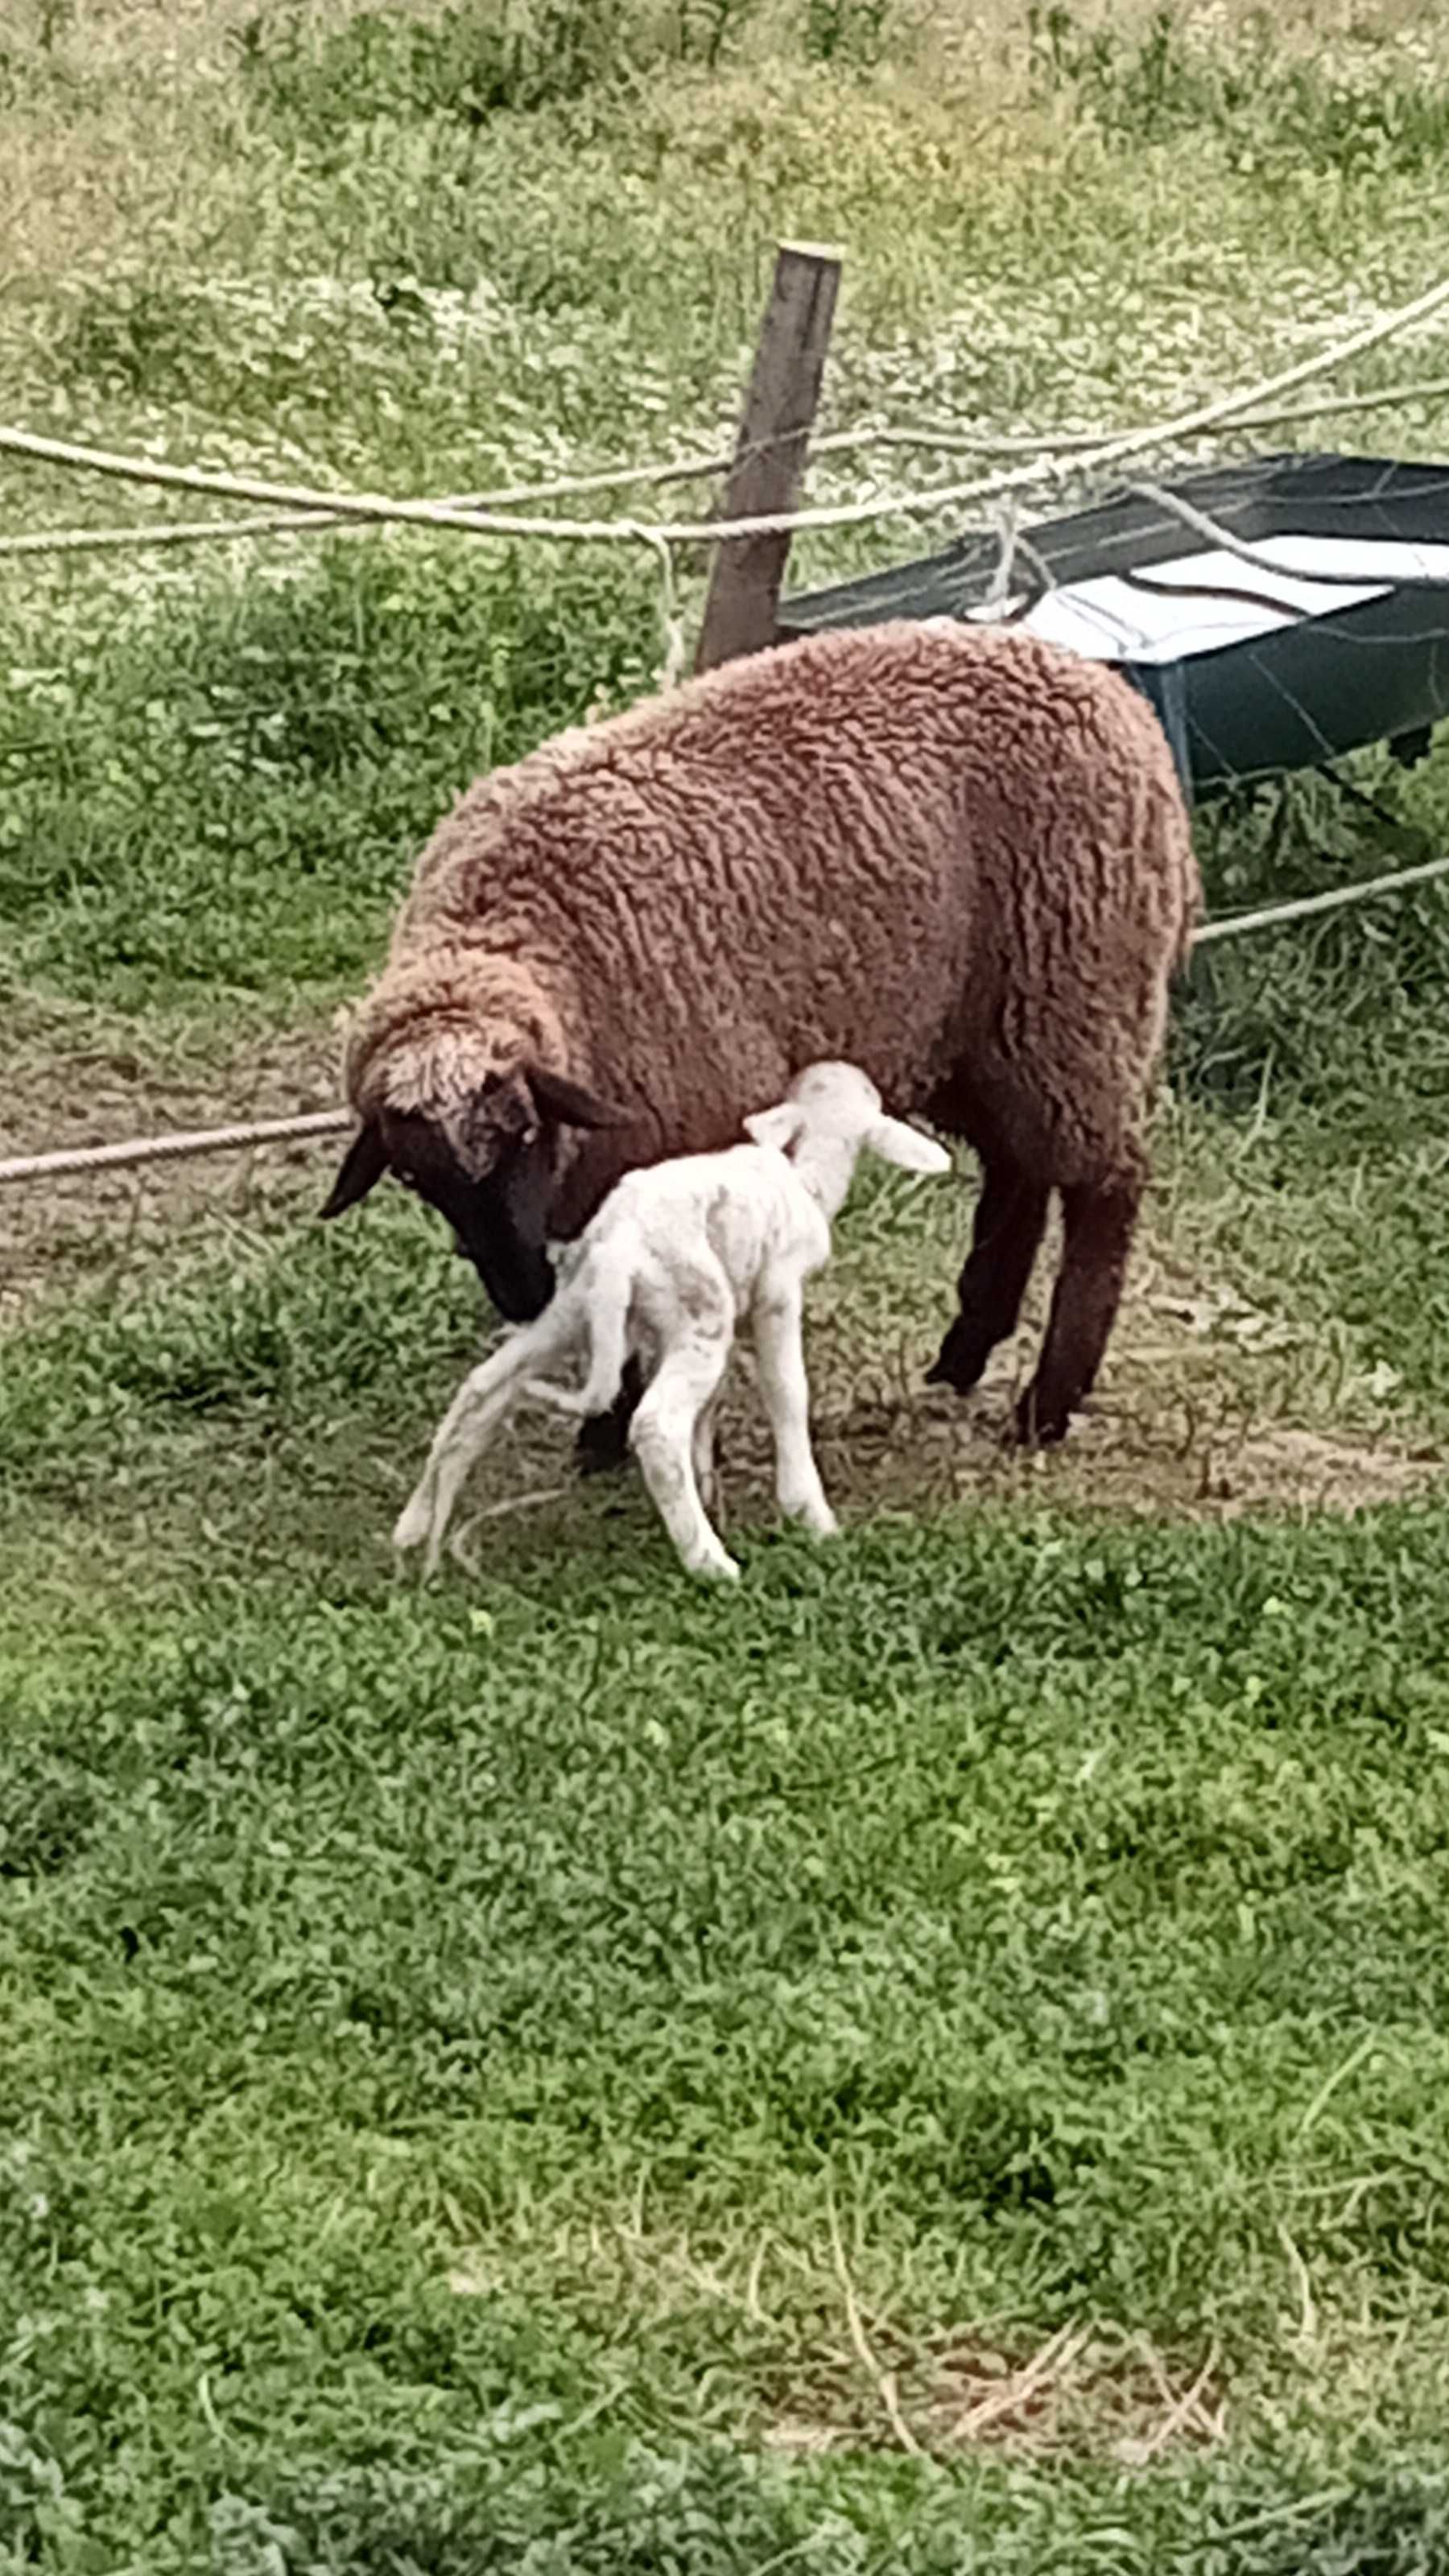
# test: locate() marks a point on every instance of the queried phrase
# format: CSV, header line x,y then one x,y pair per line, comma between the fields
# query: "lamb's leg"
x,y
1098,1226
663,1436
704,1435
779,1350
603,1441
1006,1236
482,1400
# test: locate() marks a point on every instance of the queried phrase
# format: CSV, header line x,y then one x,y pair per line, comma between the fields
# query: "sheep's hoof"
x,y
960,1361
1035,1427
602,1446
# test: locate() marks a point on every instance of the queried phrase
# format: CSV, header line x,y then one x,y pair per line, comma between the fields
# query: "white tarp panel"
x,y
1109,619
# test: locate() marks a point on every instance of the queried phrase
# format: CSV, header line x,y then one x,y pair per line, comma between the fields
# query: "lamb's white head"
x,y
831,1113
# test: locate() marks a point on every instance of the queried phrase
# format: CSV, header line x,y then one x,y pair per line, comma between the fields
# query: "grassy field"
x,y
937,2062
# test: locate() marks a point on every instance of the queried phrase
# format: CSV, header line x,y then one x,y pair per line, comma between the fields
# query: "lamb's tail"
x,y
609,1287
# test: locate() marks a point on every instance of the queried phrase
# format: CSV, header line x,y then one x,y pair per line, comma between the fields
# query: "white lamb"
x,y
677,1255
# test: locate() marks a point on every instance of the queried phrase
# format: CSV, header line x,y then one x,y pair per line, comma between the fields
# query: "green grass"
x,y
272,755
359,1940
480,2063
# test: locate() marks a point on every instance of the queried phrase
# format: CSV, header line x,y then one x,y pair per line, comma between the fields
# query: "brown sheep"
x,y
956,857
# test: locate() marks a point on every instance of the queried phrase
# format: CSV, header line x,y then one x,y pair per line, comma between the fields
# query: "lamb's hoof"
x,y
1035,1427
412,1526
714,1569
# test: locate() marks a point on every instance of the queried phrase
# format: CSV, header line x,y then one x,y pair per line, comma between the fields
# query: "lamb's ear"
x,y
778,1127
570,1103
906,1147
363,1166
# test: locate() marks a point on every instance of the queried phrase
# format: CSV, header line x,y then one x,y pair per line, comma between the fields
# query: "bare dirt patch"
x,y
849,2376
1090,2394
1209,1405
80,1082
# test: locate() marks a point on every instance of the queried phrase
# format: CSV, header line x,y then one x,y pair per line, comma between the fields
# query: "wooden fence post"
x,y
769,464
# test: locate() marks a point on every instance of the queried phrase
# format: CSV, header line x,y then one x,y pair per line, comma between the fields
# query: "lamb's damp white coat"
x,y
679,1255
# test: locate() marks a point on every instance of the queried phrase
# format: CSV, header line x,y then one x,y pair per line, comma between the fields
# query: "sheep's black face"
x,y
507,1254
500,1222
492,1180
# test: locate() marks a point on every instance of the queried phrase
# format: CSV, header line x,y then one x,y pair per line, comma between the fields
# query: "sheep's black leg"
x,y
1098,1226
1005,1239
603,1441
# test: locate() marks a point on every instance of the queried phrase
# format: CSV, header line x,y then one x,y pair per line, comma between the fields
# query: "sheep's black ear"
x,y
570,1103
363,1166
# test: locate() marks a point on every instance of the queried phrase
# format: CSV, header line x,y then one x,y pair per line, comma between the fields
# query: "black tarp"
x,y
1315,687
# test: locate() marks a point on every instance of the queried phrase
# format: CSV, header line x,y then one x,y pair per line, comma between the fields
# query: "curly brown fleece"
x,y
958,858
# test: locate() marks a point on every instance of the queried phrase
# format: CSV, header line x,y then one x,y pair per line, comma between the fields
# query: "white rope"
x,y
1008,524
301,522
671,668
435,514
1212,533
334,1122
165,1149
1075,442
166,532
336,505
1269,917
980,442
839,442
